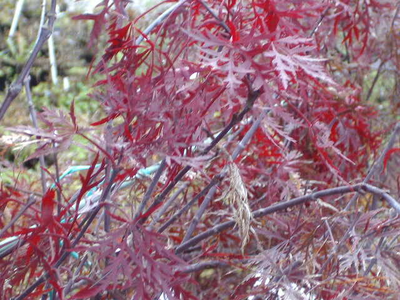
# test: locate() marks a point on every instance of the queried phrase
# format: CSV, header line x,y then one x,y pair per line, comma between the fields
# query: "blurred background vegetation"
x,y
70,83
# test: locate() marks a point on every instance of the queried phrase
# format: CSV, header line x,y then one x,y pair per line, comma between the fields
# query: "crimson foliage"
x,y
248,109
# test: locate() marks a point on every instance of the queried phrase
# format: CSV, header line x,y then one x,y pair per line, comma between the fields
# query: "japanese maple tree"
x,y
275,165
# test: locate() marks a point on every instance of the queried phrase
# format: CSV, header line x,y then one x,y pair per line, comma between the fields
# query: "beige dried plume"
x,y
237,197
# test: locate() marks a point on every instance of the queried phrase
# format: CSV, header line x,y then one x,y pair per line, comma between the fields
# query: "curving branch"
x,y
379,163
361,187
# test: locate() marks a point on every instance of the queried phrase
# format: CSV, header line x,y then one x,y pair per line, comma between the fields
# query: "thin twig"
x,y
167,204
42,18
17,15
339,245
222,23
249,134
378,72
378,164
375,191
18,243
395,15
107,218
375,260
316,26
213,182
23,191
57,179
151,188
159,20
16,87
199,213
219,177
77,271
32,112
104,196
204,265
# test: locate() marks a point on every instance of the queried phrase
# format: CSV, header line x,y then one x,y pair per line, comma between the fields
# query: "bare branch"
x,y
151,188
167,204
213,182
222,23
204,265
287,204
159,20
199,213
249,134
378,164
378,72
15,88
32,112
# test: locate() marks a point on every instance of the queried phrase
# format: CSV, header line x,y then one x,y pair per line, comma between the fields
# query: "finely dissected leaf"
x,y
99,21
387,156
302,95
288,62
147,265
48,207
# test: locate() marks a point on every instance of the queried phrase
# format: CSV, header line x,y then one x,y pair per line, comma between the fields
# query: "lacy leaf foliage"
x,y
207,71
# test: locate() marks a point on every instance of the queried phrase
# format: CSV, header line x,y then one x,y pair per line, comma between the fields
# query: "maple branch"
x,y
395,15
167,204
32,112
249,134
218,178
159,20
86,225
378,73
252,97
204,265
314,30
151,188
360,187
375,167
11,248
199,213
68,286
222,23
380,192
16,87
